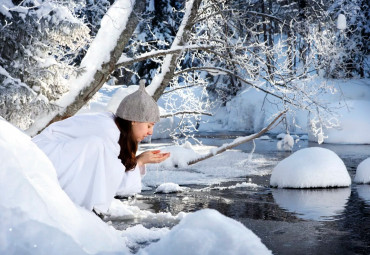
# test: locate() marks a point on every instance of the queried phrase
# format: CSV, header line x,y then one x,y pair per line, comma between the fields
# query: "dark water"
x,y
288,221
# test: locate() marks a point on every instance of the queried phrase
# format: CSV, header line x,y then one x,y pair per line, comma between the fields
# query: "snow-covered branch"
x,y
186,112
125,61
238,141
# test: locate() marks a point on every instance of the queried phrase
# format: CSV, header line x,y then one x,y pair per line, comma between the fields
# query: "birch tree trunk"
x,y
161,81
117,26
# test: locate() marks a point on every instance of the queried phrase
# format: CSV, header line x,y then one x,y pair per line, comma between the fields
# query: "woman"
x,y
95,154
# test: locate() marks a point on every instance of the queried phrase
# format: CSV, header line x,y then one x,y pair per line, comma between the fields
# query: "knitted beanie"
x,y
139,106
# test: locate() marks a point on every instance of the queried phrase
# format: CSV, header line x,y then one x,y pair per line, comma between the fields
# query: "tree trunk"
x,y
88,87
161,81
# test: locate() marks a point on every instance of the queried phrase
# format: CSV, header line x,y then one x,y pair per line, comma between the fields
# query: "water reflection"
x,y
364,192
317,204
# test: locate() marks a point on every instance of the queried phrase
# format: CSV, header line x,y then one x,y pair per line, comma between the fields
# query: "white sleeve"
x,y
131,182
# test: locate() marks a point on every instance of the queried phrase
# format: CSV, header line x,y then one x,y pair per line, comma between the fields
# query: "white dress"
x,y
84,150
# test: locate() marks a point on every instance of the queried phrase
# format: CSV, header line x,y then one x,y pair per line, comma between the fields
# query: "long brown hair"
x,y
127,143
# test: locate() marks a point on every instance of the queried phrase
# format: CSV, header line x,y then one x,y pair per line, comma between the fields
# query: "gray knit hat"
x,y
139,106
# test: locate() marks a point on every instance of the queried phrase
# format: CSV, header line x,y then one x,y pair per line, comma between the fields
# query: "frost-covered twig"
x,y
125,61
185,112
238,141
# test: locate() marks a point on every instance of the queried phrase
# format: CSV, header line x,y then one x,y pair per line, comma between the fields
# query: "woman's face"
x,y
142,129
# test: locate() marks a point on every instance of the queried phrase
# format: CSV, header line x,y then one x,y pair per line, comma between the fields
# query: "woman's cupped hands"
x,y
154,156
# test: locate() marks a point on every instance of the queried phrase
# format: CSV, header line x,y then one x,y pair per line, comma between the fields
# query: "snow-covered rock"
x,y
363,172
37,216
311,168
208,232
320,205
286,144
169,187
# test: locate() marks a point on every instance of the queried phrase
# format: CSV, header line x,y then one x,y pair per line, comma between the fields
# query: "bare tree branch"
x,y
185,112
237,141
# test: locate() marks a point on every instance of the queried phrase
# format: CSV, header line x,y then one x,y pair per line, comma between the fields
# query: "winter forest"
x,y
264,107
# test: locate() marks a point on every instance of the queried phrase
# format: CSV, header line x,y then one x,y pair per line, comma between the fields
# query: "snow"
x,y
341,22
208,232
319,204
37,217
363,172
231,164
123,211
138,235
286,144
354,124
169,187
179,157
238,185
311,168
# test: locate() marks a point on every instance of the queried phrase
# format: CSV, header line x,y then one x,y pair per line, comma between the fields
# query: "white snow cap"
x,y
169,187
341,22
311,168
208,232
363,172
286,144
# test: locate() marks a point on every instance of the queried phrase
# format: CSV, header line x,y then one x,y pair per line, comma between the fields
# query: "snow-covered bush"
x,y
311,168
39,43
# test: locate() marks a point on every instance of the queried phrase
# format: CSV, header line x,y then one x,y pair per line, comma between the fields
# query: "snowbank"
x,y
311,168
208,232
37,217
319,205
363,172
354,124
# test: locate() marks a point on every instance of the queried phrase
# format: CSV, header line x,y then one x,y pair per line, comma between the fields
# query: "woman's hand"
x,y
151,157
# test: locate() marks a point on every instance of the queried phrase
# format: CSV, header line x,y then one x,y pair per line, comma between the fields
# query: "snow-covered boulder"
x,y
169,187
36,215
208,232
363,172
311,168
308,204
